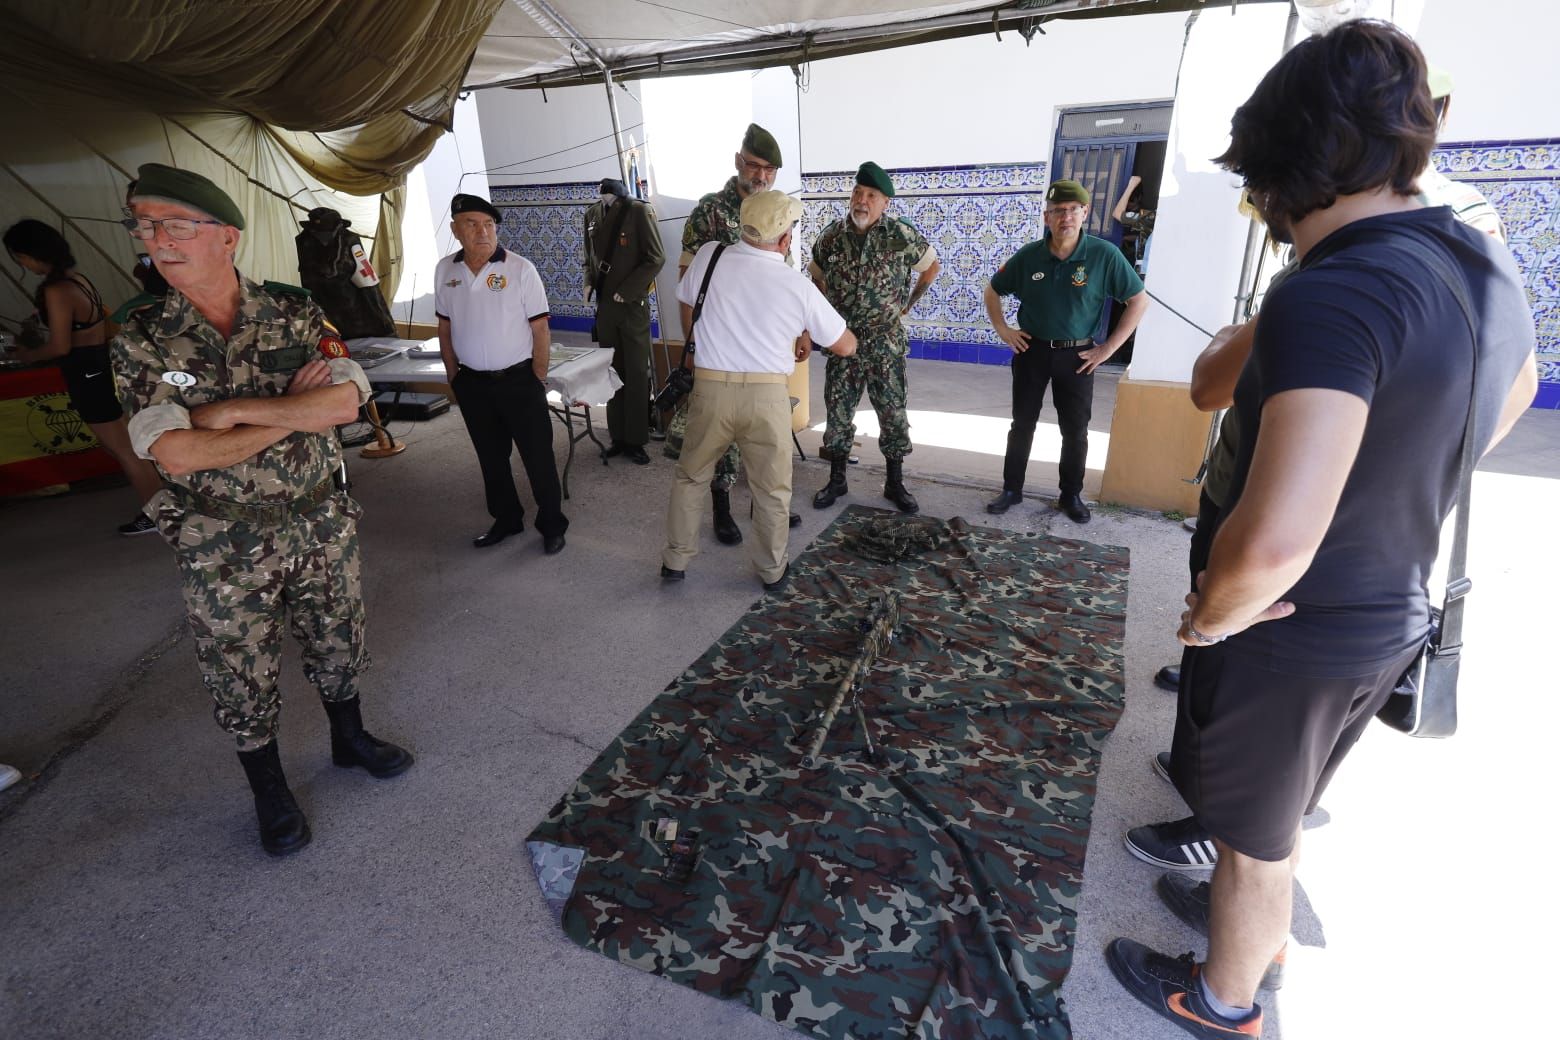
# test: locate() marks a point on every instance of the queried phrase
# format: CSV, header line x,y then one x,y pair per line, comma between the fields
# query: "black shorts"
x,y
1255,746
89,379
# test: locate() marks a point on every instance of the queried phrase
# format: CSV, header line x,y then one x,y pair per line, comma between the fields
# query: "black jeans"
x,y
512,408
1073,396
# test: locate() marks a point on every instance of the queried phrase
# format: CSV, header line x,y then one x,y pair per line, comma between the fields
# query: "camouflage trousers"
x,y
242,580
725,469
880,371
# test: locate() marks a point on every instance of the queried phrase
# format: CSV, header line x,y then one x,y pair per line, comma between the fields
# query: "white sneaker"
x,y
8,776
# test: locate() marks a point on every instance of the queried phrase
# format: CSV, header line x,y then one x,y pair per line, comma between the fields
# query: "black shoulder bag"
x,y
1424,704
679,381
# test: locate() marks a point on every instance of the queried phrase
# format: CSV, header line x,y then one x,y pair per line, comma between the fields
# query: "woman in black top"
x,y
77,323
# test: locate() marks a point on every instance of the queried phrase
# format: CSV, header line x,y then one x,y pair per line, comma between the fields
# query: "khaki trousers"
x,y
752,410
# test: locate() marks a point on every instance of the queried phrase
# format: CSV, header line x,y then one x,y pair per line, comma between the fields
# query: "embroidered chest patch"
x,y
496,282
1080,277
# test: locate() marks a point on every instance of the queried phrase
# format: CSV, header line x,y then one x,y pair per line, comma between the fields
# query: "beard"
x,y
862,220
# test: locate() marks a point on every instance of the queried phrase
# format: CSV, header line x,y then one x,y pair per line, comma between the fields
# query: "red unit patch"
x,y
333,347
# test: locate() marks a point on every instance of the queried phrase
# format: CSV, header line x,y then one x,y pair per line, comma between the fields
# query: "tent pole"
x,y
617,130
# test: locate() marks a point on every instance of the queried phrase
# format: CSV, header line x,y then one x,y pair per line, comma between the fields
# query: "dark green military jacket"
x,y
634,259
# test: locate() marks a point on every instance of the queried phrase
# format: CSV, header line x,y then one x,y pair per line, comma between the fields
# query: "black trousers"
x,y
1073,396
505,409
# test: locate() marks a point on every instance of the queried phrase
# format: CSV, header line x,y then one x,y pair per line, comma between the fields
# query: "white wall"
x,y
1501,54
565,137
455,165
1199,236
979,100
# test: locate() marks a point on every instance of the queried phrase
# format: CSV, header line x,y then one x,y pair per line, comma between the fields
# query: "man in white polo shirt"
x,y
493,336
755,309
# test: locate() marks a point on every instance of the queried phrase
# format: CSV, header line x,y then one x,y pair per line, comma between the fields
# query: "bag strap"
x,y
698,304
604,265
1457,582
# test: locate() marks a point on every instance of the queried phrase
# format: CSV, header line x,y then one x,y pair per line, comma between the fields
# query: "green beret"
x,y
761,144
872,175
1067,191
156,181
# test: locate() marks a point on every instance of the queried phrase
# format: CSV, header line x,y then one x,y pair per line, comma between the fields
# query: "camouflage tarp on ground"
x,y
934,895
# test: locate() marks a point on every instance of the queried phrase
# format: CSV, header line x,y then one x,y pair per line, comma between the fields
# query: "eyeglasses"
x,y
757,167
180,229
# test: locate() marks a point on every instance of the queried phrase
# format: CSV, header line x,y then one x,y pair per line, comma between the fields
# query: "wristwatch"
x,y
1203,640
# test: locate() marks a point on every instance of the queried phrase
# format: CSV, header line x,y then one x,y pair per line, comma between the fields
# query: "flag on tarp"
x,y
42,439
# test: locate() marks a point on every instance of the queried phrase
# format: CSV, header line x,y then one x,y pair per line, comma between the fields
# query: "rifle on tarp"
x,y
880,626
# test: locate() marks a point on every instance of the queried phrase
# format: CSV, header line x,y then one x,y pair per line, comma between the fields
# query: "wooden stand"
x,y
384,445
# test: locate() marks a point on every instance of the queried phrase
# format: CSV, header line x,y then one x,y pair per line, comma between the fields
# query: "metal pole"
x,y
617,131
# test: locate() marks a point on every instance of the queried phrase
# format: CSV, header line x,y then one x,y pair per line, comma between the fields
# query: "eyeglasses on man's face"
x,y
756,168
180,229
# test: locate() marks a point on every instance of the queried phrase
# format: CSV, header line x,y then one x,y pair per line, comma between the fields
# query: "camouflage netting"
x,y
932,893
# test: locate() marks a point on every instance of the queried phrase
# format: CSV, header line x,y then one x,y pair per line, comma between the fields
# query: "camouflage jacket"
x,y
717,217
867,277
168,359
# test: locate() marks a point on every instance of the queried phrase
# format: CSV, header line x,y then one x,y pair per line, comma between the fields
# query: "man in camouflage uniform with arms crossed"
x,y
717,218
234,391
864,263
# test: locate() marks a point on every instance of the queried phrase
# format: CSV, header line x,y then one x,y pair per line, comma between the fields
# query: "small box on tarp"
x,y
392,405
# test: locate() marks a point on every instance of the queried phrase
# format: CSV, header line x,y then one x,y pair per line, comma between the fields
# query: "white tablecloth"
x,y
578,375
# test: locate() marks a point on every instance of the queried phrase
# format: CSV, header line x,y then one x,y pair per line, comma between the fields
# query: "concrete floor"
x,y
135,902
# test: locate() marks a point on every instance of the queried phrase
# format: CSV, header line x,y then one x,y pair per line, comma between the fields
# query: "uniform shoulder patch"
x,y
333,346
138,302
286,290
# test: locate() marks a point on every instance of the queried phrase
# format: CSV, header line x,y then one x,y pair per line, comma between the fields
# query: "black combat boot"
x,y
726,530
894,488
835,488
352,745
283,828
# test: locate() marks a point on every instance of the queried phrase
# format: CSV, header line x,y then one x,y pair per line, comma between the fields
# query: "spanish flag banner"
x,y
42,439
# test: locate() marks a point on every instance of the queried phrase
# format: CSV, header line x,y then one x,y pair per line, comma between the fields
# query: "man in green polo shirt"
x,y
1062,283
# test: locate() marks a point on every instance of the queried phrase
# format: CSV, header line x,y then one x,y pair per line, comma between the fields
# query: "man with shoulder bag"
x,y
1366,368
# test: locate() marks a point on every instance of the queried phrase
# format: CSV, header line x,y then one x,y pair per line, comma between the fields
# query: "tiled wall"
x,y
976,216
1522,181
545,223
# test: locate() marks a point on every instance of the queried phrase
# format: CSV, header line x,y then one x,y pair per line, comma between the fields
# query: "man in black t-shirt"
x,y
1352,411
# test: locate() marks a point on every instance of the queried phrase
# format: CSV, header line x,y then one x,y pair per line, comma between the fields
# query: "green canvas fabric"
x,y
931,893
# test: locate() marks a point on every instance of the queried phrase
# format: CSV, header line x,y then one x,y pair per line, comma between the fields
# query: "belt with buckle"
x,y
271,514
496,373
1062,344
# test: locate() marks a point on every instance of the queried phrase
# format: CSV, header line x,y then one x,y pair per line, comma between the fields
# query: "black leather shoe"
x,y
1168,678
553,544
667,574
636,454
779,583
614,451
795,521
496,534
1073,506
1005,501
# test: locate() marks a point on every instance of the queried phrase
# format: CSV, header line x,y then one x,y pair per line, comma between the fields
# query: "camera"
x,y
679,382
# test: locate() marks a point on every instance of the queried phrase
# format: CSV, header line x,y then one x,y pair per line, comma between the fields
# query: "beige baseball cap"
x,y
768,214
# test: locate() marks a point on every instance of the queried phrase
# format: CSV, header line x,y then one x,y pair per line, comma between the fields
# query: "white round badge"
x,y
178,379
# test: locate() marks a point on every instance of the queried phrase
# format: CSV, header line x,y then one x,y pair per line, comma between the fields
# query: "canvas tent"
x,y
293,104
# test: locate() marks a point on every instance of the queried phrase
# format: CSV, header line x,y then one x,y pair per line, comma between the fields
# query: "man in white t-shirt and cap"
x,y
493,337
754,311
